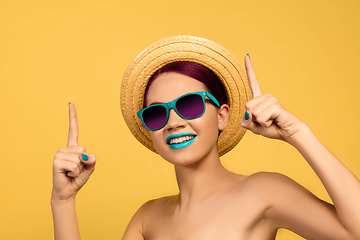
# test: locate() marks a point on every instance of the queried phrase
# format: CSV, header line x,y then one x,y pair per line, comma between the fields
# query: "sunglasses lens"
x,y
154,117
190,106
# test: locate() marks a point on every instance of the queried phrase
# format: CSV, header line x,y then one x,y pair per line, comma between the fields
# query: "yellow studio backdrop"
x,y
306,53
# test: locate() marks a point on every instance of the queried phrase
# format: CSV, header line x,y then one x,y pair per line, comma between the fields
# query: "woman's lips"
x,y
180,140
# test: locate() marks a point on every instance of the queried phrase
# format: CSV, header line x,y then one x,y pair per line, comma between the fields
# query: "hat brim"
x,y
192,49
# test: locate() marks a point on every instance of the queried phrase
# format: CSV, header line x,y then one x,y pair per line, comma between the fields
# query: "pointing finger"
x,y
73,126
253,82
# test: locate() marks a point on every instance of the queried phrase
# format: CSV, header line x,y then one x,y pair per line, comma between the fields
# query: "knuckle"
x,y
256,112
78,149
263,124
75,166
274,99
56,163
248,105
58,155
63,149
268,95
261,121
81,148
267,124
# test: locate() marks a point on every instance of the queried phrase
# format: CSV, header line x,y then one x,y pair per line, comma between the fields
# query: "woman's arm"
x,y
267,117
65,220
341,184
72,168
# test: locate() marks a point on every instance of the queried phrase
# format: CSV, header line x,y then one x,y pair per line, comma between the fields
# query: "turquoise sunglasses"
x,y
188,106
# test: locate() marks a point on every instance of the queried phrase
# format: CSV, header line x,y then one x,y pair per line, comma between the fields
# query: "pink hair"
x,y
196,71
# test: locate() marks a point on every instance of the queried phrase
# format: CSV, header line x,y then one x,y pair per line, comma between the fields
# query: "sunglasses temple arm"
x,y
212,98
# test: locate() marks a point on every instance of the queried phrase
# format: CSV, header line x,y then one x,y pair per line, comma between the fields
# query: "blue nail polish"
x,y
69,102
247,115
84,157
248,56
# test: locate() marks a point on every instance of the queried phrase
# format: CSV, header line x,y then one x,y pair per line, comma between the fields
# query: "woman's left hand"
x,y
266,116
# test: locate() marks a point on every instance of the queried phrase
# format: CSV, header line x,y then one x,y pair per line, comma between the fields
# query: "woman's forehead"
x,y
169,86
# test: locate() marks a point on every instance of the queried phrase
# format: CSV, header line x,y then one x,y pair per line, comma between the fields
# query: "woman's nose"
x,y
175,121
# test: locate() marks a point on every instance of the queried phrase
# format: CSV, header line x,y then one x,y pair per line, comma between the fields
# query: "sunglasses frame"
x,y
172,105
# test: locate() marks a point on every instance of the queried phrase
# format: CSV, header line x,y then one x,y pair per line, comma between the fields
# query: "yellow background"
x,y
306,53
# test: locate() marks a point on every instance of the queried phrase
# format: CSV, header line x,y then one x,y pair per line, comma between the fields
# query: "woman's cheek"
x,y
156,139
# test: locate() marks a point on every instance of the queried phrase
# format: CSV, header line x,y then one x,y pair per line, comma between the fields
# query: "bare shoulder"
x,y
275,188
156,205
152,206
135,229
270,180
280,186
268,176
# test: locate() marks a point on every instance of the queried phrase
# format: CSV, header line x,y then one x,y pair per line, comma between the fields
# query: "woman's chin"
x,y
186,158
181,161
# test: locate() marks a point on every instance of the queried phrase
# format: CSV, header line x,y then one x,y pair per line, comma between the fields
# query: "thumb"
x,y
247,123
89,161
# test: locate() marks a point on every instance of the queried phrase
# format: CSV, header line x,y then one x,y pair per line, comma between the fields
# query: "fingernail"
x,y
248,56
69,103
247,115
84,157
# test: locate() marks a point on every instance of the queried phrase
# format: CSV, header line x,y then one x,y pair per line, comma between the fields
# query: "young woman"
x,y
188,107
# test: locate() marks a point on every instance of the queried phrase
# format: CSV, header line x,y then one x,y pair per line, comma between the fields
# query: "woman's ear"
x,y
223,116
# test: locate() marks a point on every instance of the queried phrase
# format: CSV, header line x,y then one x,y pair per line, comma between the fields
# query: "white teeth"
x,y
180,139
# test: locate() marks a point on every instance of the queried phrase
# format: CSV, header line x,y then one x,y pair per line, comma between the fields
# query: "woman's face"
x,y
167,87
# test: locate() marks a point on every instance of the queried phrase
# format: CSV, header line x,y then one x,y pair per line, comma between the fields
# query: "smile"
x,y
180,140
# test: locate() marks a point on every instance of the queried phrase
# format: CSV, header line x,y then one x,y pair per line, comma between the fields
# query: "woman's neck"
x,y
202,179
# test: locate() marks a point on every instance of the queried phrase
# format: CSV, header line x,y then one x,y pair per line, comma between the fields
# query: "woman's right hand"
x,y
71,169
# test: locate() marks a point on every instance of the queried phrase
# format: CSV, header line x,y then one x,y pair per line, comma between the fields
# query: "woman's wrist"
x,y
302,134
57,200
65,219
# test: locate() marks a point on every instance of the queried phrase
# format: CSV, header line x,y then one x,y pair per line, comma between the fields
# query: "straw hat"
x,y
192,49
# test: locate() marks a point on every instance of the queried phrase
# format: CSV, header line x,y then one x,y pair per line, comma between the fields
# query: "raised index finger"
x,y
73,126
253,82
